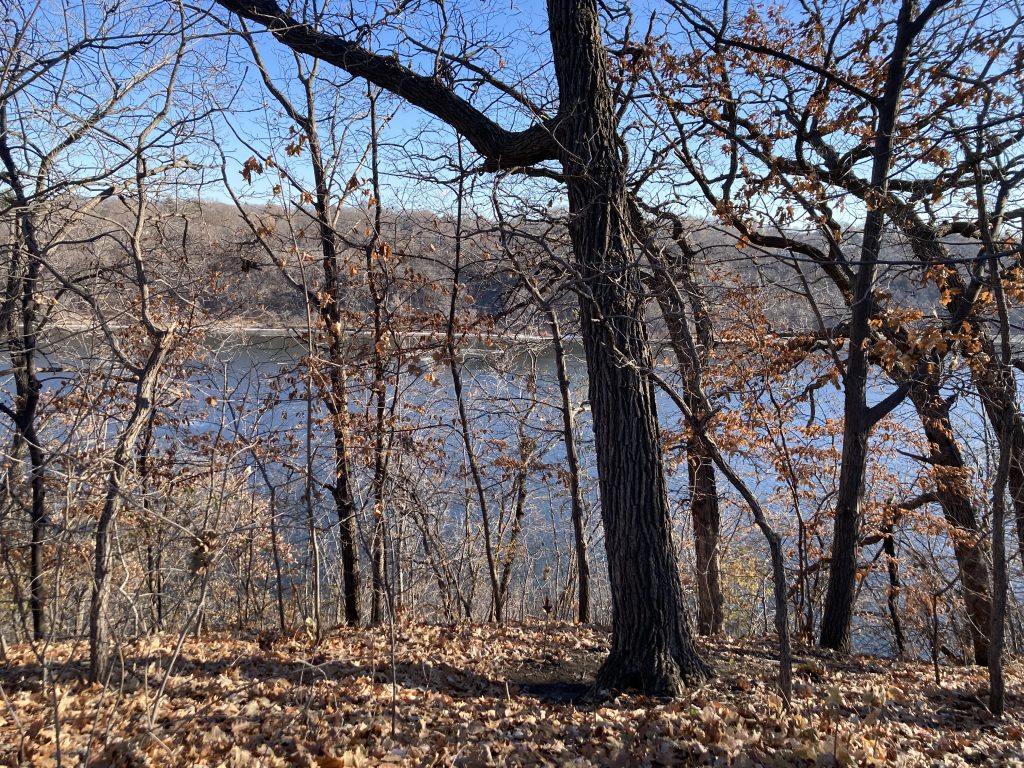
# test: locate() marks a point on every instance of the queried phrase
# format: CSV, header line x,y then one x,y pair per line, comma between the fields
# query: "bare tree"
x,y
313,124
61,93
543,295
652,648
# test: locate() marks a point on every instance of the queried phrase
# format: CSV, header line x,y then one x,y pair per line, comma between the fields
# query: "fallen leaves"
x,y
462,696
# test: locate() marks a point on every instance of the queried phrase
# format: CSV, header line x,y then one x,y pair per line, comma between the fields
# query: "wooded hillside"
x,y
366,367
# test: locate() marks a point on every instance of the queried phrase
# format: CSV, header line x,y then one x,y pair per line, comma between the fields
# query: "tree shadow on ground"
x,y
564,680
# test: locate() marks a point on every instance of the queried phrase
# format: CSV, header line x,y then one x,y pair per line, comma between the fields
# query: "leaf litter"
x,y
482,695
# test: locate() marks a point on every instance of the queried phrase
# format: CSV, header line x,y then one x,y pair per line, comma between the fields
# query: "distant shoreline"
x,y
69,330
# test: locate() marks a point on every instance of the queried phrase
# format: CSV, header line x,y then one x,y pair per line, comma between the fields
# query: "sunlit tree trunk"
x,y
954,497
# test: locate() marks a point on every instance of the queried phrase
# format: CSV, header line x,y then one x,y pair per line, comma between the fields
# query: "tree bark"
x,y
154,543
341,491
652,648
858,418
20,327
375,283
337,396
893,595
996,674
706,531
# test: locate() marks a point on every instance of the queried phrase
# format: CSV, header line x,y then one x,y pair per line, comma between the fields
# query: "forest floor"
x,y
485,695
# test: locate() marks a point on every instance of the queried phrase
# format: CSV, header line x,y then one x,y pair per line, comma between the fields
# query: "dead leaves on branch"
x,y
472,695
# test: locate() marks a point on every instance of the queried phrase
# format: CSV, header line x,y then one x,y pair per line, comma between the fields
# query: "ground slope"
x,y
484,695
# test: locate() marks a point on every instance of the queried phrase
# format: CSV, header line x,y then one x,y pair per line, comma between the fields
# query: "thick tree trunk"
x,y
842,577
652,648
996,387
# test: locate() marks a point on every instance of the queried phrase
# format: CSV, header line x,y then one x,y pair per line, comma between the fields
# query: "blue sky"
x,y
517,49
